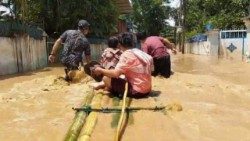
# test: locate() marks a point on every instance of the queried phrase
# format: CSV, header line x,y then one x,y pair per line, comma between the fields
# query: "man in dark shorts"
x,y
157,47
75,43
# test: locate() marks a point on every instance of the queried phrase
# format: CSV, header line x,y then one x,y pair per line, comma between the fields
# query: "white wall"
x,y
199,48
209,47
8,57
21,54
215,46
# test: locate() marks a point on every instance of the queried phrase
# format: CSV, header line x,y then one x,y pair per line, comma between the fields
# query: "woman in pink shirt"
x,y
133,67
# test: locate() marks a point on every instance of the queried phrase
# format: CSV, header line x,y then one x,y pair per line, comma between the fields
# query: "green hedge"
x,y
12,28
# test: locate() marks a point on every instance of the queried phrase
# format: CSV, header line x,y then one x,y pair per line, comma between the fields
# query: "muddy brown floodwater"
x,y
214,95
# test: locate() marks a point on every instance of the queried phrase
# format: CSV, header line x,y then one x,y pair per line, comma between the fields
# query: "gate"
x,y
233,44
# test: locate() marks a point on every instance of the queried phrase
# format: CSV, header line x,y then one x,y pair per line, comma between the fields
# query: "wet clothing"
x,y
118,88
110,58
162,66
75,43
154,46
136,66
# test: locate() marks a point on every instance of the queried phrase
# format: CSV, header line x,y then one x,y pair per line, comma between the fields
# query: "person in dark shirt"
x,y
75,44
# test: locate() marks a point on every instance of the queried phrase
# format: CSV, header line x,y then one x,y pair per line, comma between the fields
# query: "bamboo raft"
x,y
79,120
91,119
86,116
118,109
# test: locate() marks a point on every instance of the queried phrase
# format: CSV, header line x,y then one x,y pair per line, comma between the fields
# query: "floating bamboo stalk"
x,y
79,119
91,119
119,127
116,116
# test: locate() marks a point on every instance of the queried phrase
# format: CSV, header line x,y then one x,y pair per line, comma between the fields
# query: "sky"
x,y
174,3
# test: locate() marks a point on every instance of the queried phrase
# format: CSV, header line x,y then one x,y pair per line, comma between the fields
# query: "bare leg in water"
x,y
104,84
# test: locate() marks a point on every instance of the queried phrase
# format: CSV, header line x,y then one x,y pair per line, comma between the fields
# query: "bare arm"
x,y
56,46
109,73
54,50
88,59
169,45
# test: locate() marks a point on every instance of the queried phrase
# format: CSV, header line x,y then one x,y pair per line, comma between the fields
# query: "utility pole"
x,y
184,14
179,27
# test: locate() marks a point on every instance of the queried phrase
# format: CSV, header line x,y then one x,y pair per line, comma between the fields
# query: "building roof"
x,y
124,6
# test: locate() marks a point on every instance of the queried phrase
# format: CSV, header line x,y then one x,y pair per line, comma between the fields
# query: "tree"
x,y
59,15
222,14
150,15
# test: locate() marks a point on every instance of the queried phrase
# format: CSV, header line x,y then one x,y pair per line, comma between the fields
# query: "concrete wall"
x,y
97,50
199,48
21,54
247,53
209,47
215,46
8,57
213,39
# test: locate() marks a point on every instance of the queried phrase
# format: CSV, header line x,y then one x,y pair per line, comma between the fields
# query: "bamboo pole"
x,y
115,117
118,130
79,119
91,119
119,109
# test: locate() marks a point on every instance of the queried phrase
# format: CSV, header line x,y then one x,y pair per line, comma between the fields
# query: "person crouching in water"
x,y
75,43
133,67
157,47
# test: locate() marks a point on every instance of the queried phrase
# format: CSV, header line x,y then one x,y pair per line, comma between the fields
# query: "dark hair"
x,y
126,39
113,42
141,35
83,24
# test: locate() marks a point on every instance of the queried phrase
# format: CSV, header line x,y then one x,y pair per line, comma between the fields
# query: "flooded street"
x,y
37,105
214,95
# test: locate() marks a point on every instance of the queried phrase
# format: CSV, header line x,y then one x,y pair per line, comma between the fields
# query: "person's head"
x,y
141,36
126,40
83,26
113,42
